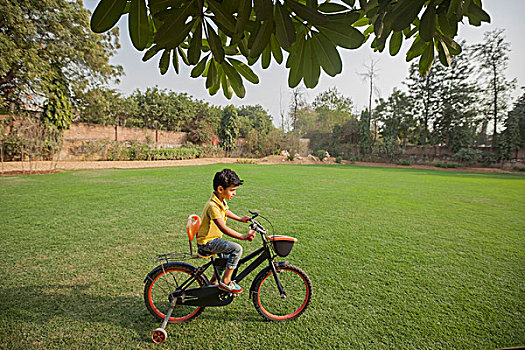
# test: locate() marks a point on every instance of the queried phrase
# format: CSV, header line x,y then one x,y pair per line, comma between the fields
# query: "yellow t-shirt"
x,y
214,209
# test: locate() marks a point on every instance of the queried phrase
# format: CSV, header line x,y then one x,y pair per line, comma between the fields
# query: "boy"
x,y
213,226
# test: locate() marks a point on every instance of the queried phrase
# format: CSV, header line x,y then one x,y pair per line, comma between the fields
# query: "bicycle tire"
x,y
162,283
267,299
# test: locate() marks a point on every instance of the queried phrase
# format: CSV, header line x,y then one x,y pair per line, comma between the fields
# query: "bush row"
x,y
112,150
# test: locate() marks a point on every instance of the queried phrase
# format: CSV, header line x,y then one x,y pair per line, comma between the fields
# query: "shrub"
x,y
404,162
467,155
320,154
339,159
291,156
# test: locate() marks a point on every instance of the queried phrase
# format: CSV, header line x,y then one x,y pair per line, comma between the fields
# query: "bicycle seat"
x,y
192,228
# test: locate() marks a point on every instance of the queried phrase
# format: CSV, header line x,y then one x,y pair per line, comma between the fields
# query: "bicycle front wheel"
x,y
269,302
162,285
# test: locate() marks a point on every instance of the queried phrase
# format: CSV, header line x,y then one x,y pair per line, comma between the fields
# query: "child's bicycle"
x,y
176,291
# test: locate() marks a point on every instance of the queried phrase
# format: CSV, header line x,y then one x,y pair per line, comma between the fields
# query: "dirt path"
x,y
44,167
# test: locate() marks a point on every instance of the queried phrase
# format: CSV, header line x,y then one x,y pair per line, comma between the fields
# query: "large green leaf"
x,y
263,9
395,43
172,32
266,57
447,27
106,15
164,61
234,79
427,58
476,15
194,51
342,34
212,78
311,65
284,27
139,26
199,68
156,6
183,56
296,63
327,55
329,7
306,13
244,70
427,25
262,38
276,49
245,9
417,48
405,12
455,12
175,61
223,17
443,53
151,52
226,86
215,44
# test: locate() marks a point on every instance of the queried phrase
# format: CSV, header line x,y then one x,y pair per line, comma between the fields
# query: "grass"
x,y
399,258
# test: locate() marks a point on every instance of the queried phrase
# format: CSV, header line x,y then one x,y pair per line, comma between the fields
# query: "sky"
x,y
273,93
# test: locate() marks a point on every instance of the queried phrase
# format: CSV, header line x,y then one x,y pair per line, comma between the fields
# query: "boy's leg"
x,y
231,250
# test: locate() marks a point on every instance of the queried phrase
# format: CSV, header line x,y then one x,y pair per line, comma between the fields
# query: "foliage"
x,y
513,136
57,109
45,40
321,154
467,155
29,138
365,135
493,56
229,128
208,35
254,118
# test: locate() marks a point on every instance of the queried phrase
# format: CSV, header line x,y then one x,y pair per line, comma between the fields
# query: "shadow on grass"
x,y
41,303
38,304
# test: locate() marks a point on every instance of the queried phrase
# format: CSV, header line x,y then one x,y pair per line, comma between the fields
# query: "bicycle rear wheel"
x,y
268,301
160,287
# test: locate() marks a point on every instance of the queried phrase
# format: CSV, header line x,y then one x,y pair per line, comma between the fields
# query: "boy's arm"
x,y
235,217
231,232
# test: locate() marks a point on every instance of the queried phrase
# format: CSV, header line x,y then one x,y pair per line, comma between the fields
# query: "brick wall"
x,y
91,132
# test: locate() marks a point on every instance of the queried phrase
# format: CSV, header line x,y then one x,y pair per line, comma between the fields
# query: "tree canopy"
x,y
211,35
48,51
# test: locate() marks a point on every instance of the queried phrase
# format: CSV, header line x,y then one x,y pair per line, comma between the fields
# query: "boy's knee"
x,y
238,250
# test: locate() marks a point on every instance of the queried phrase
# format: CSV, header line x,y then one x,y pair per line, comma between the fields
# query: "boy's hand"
x,y
245,219
250,235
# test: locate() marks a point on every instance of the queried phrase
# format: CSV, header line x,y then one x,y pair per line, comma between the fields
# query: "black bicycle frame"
x,y
212,295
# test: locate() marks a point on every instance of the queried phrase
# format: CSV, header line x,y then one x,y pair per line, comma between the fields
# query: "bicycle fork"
x,y
279,285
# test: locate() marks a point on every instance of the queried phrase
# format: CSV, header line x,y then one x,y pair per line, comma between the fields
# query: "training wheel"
x,y
159,335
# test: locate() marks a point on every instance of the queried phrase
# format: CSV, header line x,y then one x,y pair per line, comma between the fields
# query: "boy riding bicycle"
x,y
213,226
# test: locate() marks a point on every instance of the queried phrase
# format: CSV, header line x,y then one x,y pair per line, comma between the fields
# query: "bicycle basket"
x,y
282,245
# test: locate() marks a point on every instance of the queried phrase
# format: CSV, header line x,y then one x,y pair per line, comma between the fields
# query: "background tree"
x,y
396,122
229,128
493,56
370,75
43,41
513,135
297,103
457,115
211,35
424,94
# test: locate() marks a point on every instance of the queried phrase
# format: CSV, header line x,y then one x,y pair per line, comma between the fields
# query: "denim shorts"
x,y
230,250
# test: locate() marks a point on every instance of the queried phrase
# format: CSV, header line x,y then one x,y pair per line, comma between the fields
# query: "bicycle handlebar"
x,y
254,224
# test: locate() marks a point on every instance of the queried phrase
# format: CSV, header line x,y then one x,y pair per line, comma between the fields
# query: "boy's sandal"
x,y
231,287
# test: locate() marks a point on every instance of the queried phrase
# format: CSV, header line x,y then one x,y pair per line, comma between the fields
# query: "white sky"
x,y
273,93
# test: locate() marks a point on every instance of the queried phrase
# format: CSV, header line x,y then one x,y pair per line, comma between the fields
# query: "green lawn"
x,y
399,258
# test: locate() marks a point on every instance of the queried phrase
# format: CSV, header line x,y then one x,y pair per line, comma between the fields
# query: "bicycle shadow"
x,y
40,303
